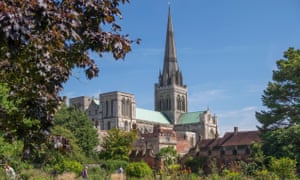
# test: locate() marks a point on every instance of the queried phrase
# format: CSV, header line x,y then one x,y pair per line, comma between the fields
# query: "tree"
x,y
282,96
169,156
41,41
283,143
284,168
117,144
81,126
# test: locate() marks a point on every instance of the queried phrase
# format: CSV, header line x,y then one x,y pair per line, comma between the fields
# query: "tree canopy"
x,y
81,126
41,41
282,96
280,122
117,144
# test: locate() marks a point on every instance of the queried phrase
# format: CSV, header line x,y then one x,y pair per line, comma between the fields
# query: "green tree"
x,y
282,96
169,155
117,144
41,41
283,143
81,126
284,168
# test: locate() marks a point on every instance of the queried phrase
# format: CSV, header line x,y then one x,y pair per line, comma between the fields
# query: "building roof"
x,y
151,116
190,117
96,101
235,138
241,138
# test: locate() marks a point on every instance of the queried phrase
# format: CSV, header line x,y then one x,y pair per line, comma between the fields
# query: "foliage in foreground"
x,y
117,144
40,43
281,98
81,126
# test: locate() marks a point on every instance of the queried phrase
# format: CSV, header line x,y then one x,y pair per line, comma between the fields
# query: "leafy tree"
x,y
117,144
41,41
284,168
169,155
282,96
81,126
283,143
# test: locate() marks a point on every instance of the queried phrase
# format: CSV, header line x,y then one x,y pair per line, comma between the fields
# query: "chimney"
x,y
236,130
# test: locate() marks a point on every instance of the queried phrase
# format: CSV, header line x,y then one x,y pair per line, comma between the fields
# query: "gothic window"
x,y
108,125
178,102
112,107
106,108
183,104
128,109
167,104
123,107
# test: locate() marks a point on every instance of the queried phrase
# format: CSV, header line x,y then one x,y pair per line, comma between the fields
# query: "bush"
x,y
265,175
112,165
34,174
138,169
67,166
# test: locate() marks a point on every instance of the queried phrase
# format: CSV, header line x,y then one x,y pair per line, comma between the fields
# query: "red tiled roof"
x,y
232,139
242,138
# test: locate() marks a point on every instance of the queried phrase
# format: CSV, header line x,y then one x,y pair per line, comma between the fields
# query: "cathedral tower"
x,y
170,93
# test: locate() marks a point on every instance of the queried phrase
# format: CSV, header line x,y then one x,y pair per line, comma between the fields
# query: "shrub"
x,y
284,168
34,174
112,165
265,175
67,166
138,169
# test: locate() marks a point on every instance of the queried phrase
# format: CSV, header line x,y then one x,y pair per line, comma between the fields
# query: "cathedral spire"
x,y
170,59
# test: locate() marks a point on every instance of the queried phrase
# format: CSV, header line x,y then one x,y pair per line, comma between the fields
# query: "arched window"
x,y
128,108
106,108
123,107
168,103
178,103
183,104
112,107
108,125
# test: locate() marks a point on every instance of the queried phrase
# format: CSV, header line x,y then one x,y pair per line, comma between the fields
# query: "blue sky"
x,y
226,50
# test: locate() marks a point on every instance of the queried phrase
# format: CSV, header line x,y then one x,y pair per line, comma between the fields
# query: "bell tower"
x,y
170,92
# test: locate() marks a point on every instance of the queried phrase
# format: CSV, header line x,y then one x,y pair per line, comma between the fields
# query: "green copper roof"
x,y
190,117
151,116
96,101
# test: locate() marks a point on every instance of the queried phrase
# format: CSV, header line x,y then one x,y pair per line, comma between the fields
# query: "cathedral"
x,y
169,124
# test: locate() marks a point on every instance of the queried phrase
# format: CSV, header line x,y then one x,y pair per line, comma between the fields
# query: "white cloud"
x,y
205,98
243,118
